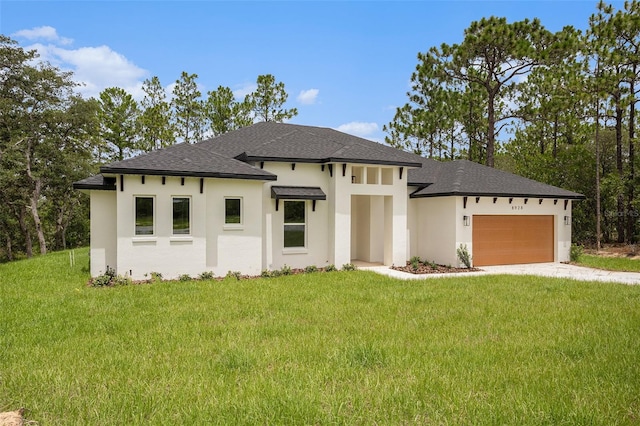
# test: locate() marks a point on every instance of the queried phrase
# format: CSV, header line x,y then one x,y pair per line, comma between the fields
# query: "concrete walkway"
x,y
557,270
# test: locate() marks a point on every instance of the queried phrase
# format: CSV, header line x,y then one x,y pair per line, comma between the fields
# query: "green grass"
x,y
609,263
323,348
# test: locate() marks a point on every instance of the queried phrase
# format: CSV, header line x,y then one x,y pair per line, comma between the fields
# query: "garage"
x,y
508,239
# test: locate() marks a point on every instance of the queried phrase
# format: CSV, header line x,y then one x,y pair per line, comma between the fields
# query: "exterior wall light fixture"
x,y
567,220
466,220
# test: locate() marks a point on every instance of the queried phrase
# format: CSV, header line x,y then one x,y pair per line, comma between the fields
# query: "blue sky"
x,y
345,64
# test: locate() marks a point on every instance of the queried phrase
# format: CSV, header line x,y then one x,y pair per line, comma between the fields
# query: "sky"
x,y
346,65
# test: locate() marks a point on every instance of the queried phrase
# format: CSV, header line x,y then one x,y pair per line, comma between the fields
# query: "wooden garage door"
x,y
504,240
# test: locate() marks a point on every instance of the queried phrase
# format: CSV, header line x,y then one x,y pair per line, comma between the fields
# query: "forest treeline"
x,y
555,107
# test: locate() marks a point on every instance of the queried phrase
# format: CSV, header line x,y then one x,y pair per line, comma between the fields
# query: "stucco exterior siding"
x,y
437,226
103,236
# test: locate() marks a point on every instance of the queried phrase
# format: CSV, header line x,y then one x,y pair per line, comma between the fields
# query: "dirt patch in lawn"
x,y
431,268
12,418
629,251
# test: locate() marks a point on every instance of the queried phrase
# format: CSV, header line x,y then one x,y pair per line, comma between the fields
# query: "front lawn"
x,y
321,348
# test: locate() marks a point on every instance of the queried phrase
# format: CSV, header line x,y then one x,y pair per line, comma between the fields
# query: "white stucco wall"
x,y
437,228
316,251
210,246
103,250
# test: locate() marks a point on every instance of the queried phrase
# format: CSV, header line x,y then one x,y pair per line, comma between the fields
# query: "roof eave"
x,y
502,195
154,172
255,158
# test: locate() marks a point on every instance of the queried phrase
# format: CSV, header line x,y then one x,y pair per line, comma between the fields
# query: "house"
x,y
276,194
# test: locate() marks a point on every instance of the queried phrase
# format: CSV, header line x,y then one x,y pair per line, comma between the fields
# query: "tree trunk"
x,y
631,220
35,196
620,226
24,227
9,248
491,129
598,214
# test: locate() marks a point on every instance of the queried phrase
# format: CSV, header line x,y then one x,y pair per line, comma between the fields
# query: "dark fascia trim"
x,y
474,194
327,160
110,170
81,186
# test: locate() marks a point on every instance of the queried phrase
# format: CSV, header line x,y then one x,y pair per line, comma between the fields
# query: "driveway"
x,y
557,270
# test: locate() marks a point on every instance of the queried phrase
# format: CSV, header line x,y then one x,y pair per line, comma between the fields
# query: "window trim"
x,y
294,249
173,230
135,217
233,226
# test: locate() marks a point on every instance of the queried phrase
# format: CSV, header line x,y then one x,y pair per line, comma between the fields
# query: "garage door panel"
x,y
503,239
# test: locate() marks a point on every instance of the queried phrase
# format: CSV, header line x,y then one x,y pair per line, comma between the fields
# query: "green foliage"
x,y
285,270
415,262
330,268
464,256
184,277
224,113
118,116
268,99
105,279
575,253
156,277
349,267
206,275
609,263
310,269
234,274
156,129
266,274
188,109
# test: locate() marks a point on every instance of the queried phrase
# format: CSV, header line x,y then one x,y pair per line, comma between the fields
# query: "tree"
x,y
268,99
118,116
188,109
493,56
156,129
46,132
224,113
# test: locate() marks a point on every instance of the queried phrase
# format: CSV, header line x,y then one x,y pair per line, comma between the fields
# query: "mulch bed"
x,y
428,268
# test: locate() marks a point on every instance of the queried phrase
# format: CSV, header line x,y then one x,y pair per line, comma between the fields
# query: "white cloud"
x,y
46,33
243,90
308,97
96,68
358,128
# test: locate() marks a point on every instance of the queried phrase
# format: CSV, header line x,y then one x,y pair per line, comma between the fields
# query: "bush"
x,y
349,267
330,268
266,274
184,277
464,256
286,270
206,275
310,269
575,252
156,277
104,279
235,274
415,262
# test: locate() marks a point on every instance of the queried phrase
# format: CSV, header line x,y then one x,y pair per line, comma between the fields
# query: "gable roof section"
x,y
269,141
187,160
466,178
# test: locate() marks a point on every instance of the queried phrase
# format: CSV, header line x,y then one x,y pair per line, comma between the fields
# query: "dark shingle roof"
x,y
297,193
187,160
462,177
269,141
98,182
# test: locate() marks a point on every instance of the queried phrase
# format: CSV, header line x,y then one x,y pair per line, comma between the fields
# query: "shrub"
x,y
184,277
286,270
206,275
156,277
330,268
235,274
415,262
104,279
349,267
464,256
310,269
575,252
119,280
265,274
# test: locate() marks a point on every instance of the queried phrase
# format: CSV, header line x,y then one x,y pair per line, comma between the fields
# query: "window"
x,y
144,215
294,223
181,216
232,211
